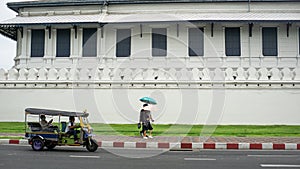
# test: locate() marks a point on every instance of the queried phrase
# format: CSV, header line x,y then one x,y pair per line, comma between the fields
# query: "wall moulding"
x,y
150,85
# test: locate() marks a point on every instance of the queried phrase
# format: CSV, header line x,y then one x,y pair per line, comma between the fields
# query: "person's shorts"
x,y
147,126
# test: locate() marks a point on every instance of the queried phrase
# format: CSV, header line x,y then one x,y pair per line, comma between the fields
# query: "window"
x,y
159,42
37,43
269,41
196,42
63,43
123,43
232,42
89,44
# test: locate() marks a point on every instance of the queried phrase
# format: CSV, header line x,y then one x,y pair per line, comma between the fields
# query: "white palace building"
x,y
204,61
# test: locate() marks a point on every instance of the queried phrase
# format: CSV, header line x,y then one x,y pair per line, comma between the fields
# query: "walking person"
x,y
145,118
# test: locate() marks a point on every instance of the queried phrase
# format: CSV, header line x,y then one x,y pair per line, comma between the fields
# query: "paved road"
x,y
16,157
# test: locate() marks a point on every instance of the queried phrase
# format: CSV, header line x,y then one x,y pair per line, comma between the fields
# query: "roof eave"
x,y
15,6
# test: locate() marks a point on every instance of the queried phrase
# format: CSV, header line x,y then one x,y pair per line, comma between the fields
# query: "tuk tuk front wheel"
x,y
37,144
91,145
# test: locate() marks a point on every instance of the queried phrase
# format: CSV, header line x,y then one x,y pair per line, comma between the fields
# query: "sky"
x,y
7,46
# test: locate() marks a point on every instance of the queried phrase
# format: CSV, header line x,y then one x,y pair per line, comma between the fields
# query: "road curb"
x,y
14,141
182,145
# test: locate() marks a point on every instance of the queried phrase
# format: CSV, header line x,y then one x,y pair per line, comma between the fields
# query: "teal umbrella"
x,y
148,100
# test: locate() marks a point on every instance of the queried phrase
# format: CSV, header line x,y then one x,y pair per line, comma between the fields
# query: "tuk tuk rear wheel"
x,y
37,144
91,145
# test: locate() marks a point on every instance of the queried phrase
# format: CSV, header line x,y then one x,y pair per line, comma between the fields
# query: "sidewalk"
x,y
173,142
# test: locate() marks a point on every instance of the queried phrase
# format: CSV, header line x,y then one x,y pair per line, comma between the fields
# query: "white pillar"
x,y
46,54
28,46
19,42
80,39
74,44
54,39
99,39
25,46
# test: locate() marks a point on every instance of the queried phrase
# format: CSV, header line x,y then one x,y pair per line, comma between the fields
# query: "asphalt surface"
x,y
22,156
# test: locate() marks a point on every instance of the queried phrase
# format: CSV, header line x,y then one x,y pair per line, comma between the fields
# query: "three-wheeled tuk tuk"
x,y
55,135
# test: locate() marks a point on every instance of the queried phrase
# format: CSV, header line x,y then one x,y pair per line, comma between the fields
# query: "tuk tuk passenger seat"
x,y
34,126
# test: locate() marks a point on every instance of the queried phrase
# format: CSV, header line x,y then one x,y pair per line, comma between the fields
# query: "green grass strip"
x,y
181,130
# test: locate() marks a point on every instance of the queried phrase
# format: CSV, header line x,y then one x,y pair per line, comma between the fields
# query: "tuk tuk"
x,y
55,135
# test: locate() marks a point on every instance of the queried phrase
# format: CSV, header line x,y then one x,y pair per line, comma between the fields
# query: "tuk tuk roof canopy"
x,y
51,112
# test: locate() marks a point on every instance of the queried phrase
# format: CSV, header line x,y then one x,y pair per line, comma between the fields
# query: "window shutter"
x,y
89,44
123,48
37,43
63,43
269,40
159,42
232,42
196,42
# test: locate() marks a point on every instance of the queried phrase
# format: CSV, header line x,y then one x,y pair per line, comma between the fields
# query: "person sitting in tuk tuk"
x,y
71,128
47,126
44,122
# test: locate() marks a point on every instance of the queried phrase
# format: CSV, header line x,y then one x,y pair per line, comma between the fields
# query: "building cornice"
x,y
15,6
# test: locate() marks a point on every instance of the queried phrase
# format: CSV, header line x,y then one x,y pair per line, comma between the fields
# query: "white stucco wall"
x,y
185,106
185,96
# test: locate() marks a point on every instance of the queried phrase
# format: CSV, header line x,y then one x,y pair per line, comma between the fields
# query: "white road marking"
x,y
200,159
279,166
275,156
74,156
